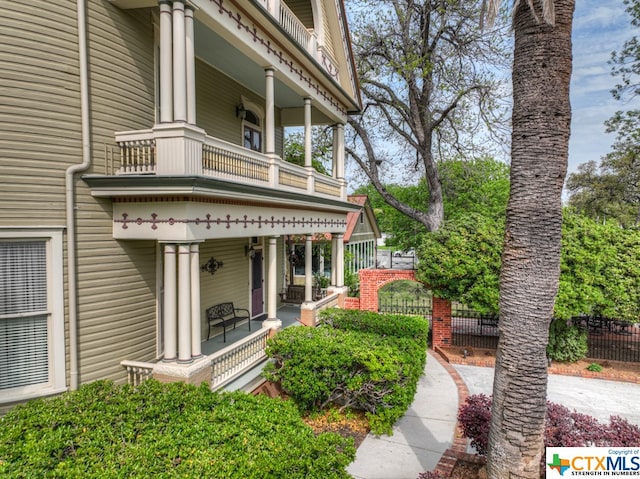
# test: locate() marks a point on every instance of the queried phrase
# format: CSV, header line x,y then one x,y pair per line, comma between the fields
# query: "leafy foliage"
x,y
563,428
467,268
600,266
165,431
566,342
600,270
321,149
368,371
477,186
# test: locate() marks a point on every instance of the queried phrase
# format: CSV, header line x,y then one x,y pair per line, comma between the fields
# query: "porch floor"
x,y
289,315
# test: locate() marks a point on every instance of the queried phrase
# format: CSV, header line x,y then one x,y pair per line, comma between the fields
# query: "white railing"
x,y
138,153
146,152
293,26
137,371
232,361
222,159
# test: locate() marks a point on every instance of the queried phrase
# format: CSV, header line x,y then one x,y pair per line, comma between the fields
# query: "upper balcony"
x,y
179,149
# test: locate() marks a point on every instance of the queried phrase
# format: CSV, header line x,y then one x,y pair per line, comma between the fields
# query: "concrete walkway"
x,y
427,431
420,438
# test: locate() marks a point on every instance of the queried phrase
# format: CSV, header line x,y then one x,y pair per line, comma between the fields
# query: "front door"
x,y
257,282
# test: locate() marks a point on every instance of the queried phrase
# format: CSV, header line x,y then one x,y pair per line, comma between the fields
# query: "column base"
x,y
196,372
272,323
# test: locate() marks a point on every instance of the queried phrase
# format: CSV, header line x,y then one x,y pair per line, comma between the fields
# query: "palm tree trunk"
x,y
531,257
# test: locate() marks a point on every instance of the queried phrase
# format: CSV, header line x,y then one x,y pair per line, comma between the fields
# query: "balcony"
x,y
304,36
179,149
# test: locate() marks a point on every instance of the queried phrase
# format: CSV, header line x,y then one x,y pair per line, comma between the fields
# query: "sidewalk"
x,y
424,439
421,437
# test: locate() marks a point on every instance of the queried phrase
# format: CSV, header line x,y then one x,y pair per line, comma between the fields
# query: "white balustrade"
x,y
137,371
232,361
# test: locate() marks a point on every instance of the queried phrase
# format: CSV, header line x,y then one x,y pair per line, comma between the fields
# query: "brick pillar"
x,y
369,289
441,335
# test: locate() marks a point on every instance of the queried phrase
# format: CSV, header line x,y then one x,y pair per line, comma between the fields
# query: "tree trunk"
x,y
531,258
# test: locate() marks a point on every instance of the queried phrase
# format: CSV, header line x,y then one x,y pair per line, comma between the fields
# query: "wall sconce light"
x,y
249,251
241,111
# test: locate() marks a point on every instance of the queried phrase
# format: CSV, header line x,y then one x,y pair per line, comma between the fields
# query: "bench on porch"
x,y
294,293
226,314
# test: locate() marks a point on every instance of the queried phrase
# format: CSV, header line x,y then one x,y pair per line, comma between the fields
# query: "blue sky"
x,y
600,27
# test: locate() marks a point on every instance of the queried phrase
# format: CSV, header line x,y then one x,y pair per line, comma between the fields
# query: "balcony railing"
x,y
303,36
183,152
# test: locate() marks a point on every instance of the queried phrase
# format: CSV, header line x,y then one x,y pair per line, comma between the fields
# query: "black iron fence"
x,y
406,306
608,338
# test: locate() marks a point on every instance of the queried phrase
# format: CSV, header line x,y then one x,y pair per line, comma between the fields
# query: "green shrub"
x,y
566,342
165,431
595,367
398,325
322,366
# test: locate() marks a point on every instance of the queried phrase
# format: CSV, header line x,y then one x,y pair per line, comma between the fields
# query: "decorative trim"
x,y
228,221
278,54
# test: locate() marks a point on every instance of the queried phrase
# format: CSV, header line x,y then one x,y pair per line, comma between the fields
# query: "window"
x,y
252,132
31,315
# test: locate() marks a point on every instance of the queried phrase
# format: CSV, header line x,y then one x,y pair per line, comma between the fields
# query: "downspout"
x,y
70,199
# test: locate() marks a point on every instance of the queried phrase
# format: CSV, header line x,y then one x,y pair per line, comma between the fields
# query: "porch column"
x,y
308,265
269,121
170,293
190,65
307,132
166,63
272,279
196,326
179,63
184,303
339,160
339,260
334,260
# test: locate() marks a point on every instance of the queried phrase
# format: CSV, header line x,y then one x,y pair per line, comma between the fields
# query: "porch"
x,y
231,365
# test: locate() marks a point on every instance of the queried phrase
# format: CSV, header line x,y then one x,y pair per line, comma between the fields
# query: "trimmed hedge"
x,y
166,431
378,374
398,325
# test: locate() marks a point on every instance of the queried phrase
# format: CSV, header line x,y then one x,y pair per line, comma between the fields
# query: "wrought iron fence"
x,y
474,330
406,306
608,338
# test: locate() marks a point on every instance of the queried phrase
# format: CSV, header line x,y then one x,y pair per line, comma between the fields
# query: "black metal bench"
x,y
226,314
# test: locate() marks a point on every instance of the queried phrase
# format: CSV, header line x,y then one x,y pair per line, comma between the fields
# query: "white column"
x,y
179,63
340,161
196,326
190,65
334,260
269,122
166,63
170,293
307,132
340,260
272,277
184,303
339,153
308,265
334,151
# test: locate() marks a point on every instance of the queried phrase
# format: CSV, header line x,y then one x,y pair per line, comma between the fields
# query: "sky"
x,y
599,27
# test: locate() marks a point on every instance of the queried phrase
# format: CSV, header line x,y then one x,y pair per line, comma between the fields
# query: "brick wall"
x,y
371,280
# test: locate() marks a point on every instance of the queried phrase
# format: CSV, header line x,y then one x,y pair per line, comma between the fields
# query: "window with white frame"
x,y
31,314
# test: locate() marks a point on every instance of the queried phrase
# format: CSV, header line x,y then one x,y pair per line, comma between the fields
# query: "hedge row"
x,y
398,325
367,371
165,431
